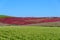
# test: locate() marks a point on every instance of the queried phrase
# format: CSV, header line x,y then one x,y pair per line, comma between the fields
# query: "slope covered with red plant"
x,y
27,20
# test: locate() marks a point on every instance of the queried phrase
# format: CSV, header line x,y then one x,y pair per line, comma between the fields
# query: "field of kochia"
x,y
29,33
27,20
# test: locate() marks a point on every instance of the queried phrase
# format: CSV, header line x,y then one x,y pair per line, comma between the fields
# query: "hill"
x,y
3,16
29,20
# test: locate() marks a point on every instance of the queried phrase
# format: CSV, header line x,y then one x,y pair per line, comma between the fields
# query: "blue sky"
x,y
30,8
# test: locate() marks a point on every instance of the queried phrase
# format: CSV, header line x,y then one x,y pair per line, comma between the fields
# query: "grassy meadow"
x,y
29,33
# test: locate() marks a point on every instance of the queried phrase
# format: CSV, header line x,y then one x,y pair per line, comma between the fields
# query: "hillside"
x,y
54,24
28,20
3,16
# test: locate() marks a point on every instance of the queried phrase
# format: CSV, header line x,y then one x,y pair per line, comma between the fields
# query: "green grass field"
x,y
29,33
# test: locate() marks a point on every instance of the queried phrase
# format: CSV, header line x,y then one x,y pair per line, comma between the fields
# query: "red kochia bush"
x,y
26,21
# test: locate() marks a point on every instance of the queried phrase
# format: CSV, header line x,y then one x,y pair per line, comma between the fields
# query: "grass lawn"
x,y
29,33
